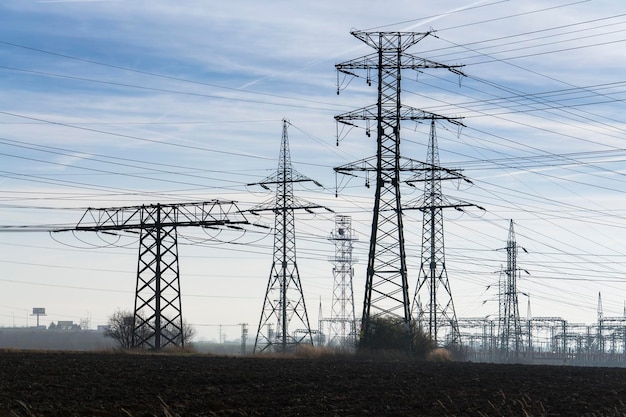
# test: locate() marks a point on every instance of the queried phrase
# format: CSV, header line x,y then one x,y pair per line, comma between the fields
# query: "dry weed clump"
x,y
439,355
322,352
305,351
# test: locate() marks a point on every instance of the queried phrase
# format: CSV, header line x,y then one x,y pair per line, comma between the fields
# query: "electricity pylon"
x,y
386,286
600,313
284,303
511,343
342,317
437,316
157,316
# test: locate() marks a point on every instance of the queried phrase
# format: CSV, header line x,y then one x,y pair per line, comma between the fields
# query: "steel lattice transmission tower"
x,y
511,335
342,318
433,305
386,286
284,304
158,318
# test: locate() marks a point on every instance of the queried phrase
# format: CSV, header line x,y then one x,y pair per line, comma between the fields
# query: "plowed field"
x,y
94,384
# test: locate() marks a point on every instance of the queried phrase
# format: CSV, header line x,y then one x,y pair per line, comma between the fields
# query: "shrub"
x,y
388,336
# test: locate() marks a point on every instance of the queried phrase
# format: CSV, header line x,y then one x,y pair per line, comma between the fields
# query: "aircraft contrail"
x,y
408,29
444,14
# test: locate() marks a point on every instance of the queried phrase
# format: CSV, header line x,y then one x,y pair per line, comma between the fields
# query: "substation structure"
x,y
548,340
543,340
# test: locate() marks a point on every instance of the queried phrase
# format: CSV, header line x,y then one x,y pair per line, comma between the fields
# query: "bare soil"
x,y
140,385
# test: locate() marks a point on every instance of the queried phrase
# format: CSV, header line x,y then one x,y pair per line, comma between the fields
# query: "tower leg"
x,y
158,313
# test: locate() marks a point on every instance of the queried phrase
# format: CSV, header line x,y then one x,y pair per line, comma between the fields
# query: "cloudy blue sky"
x,y
111,103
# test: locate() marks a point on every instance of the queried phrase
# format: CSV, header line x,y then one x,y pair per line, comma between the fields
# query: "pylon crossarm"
x,y
406,165
366,164
444,174
412,113
390,40
440,202
278,178
406,113
407,61
297,204
207,213
365,62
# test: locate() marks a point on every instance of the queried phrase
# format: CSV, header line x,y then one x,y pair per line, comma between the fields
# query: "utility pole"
x,y
284,299
386,286
158,318
342,317
437,316
244,337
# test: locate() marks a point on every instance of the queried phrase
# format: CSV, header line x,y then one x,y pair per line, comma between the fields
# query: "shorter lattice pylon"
x,y
284,304
157,319
433,305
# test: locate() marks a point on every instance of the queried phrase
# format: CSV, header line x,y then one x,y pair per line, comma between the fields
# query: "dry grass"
x,y
325,352
439,355
307,352
320,352
27,410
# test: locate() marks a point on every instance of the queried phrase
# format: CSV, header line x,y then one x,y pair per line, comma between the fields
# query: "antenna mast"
x,y
342,319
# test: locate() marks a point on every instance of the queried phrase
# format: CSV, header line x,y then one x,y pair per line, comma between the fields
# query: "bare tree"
x,y
120,328
184,336
121,325
189,332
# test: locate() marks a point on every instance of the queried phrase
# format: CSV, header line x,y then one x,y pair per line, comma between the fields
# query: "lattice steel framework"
x,y
600,313
478,335
284,303
158,318
552,340
433,304
510,331
386,287
342,317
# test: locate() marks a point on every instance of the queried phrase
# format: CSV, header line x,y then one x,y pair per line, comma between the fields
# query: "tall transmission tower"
x,y
284,304
600,313
511,335
433,304
157,317
386,286
342,317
